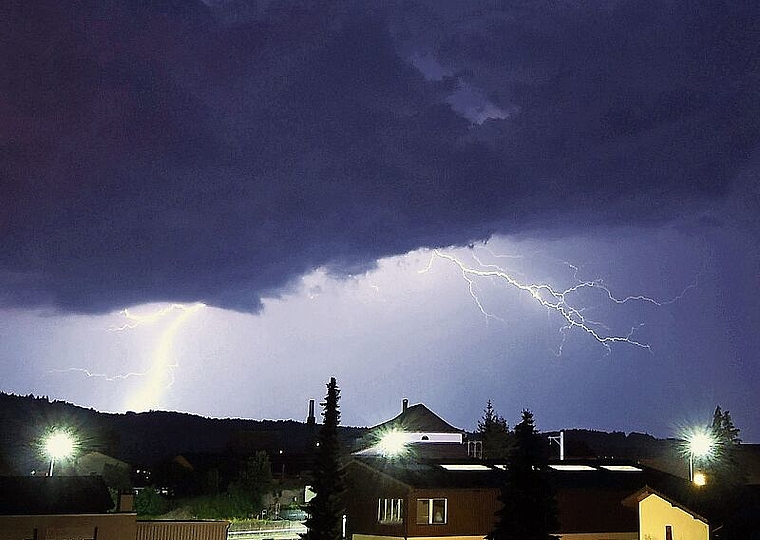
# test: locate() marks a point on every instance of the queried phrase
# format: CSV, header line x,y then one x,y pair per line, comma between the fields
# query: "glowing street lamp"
x,y
392,443
58,445
700,444
700,478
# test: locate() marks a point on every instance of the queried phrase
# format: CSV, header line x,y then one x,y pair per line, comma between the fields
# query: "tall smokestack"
x,y
310,421
404,405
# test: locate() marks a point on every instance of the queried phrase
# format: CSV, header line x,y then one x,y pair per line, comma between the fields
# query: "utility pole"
x,y
560,440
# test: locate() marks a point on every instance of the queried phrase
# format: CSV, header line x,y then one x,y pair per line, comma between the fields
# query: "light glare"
x,y
392,443
700,479
700,444
59,445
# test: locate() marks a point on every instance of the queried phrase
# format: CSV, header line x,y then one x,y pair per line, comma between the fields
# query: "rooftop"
x,y
35,495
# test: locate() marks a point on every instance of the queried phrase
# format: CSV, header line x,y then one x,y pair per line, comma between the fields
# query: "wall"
x,y
600,536
366,486
470,512
655,512
181,530
83,526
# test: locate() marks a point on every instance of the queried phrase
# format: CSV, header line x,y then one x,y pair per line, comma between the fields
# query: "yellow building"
x,y
662,518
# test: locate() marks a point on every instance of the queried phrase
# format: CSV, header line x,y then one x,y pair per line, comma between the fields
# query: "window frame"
x,y
430,511
390,510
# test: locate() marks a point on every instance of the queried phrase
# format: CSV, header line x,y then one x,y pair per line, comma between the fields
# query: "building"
x,y
413,499
410,497
677,509
431,485
415,427
81,508
60,507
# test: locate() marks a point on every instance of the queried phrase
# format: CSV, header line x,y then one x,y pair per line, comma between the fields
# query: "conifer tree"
x,y
493,432
529,507
723,428
724,472
326,509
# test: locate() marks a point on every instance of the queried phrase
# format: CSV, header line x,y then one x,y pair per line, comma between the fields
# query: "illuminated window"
x,y
432,511
390,510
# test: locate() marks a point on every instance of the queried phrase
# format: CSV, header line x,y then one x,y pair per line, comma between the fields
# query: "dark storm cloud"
x,y
187,151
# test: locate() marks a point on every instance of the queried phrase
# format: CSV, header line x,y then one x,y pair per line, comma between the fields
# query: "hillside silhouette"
x,y
142,438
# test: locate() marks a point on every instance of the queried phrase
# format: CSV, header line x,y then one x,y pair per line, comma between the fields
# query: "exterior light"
x,y
58,445
700,444
393,443
700,479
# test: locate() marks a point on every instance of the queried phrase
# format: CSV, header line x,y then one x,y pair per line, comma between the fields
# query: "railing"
x,y
270,530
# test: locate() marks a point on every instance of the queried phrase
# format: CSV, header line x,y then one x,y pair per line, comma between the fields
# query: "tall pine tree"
x,y
529,507
326,509
724,471
493,432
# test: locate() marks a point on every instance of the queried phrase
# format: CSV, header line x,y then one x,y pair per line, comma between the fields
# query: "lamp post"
x,y
58,445
700,445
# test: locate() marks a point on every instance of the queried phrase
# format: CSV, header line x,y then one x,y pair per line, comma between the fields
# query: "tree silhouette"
x,y
724,472
529,507
248,490
326,510
494,434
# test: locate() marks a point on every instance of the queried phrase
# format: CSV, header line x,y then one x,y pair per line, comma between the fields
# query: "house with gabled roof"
x,y
417,427
678,509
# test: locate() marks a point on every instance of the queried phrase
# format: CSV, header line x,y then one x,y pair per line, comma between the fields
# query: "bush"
x,y
149,502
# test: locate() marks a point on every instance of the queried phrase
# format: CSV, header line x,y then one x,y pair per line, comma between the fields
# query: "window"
x,y
390,510
668,532
432,511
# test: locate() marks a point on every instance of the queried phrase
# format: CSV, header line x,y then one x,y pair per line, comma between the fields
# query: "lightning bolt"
x,y
161,374
554,300
104,376
133,321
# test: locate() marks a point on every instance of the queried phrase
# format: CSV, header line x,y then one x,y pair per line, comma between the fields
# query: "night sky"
x,y
550,204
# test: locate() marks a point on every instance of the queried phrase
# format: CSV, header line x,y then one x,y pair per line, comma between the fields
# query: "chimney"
x,y
126,502
404,405
310,421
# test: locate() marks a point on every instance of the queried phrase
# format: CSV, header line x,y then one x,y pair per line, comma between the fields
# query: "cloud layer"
x,y
215,151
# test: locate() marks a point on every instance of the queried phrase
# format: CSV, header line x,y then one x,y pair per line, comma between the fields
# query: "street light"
x,y
58,445
392,443
700,478
700,445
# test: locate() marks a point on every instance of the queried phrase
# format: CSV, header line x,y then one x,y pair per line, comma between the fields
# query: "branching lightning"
x,y
133,321
558,301
160,375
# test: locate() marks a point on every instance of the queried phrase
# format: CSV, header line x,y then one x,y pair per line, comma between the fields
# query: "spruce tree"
x,y
529,507
724,471
326,509
493,432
